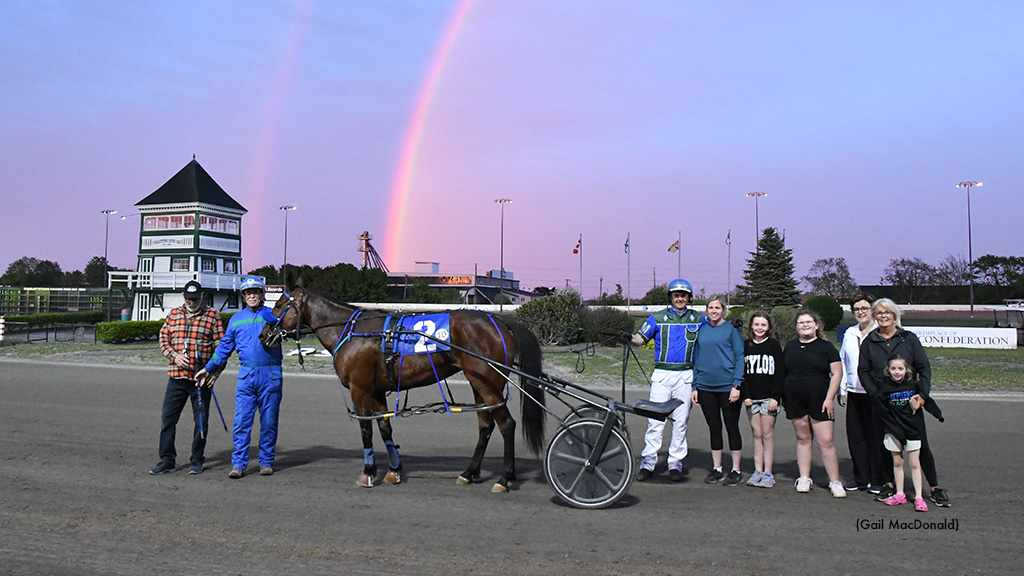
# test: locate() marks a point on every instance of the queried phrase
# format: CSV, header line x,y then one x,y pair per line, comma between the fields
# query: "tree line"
x,y
769,279
32,272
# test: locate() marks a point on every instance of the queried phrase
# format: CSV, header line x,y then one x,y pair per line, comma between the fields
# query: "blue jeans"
x,y
180,390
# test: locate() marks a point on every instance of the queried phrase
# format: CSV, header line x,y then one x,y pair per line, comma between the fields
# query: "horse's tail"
x,y
528,360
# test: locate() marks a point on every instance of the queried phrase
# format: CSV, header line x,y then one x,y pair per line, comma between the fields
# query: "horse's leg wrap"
x,y
369,475
507,426
394,475
394,460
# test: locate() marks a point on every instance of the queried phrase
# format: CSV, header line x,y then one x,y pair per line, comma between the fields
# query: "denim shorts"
x,y
761,407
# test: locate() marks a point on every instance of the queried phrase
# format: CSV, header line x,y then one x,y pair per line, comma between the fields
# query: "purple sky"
x,y
595,118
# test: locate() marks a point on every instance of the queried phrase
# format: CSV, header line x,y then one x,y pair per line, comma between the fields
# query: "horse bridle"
x,y
278,330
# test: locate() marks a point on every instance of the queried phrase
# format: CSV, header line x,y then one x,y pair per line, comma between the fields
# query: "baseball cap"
x,y
192,289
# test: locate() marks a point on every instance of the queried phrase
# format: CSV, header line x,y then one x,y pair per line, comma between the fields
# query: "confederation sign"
x,y
938,337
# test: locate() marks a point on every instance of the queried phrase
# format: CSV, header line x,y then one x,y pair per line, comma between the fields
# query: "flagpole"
x,y
679,255
728,270
581,268
627,273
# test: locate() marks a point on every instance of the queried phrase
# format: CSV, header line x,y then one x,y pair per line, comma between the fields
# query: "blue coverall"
x,y
259,383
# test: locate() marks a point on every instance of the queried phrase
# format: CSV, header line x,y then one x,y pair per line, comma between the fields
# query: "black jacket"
x,y
874,352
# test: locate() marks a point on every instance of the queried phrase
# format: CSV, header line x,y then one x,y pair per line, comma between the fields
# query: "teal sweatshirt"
x,y
718,361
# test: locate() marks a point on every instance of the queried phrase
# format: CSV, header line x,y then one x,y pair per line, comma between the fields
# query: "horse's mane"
x,y
328,296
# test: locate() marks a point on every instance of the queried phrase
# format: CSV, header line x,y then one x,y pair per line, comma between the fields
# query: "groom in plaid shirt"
x,y
187,339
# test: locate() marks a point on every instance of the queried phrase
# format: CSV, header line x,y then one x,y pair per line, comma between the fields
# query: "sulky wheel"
x,y
566,471
589,412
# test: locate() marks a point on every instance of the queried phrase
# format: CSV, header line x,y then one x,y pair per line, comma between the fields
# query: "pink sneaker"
x,y
896,500
919,505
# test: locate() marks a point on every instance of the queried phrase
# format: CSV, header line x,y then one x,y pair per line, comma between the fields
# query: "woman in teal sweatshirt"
x,y
718,374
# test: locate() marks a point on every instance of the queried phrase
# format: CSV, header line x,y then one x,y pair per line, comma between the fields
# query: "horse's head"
x,y
287,311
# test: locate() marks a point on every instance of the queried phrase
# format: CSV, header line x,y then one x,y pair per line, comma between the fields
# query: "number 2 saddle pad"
x,y
433,325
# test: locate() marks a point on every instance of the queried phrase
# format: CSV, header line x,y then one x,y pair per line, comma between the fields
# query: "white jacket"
x,y
849,354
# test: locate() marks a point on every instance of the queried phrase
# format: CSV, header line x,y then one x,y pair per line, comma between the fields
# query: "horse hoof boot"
x,y
498,488
365,480
393,477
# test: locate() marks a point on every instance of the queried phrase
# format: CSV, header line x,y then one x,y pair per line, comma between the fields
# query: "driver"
x,y
674,331
259,378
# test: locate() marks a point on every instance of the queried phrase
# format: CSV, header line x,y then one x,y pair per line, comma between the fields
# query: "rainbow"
x,y
410,149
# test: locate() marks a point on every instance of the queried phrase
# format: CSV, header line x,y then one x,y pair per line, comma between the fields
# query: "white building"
x,y
189,229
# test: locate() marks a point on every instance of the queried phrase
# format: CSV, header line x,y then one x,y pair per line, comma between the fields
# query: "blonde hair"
x,y
889,305
725,309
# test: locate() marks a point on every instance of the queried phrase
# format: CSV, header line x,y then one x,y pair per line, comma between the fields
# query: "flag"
x,y
627,243
579,245
674,246
728,237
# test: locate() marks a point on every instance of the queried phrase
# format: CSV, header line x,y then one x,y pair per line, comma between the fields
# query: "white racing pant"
x,y
666,385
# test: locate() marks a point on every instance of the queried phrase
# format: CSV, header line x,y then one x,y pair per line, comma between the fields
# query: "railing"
x,y
55,332
174,280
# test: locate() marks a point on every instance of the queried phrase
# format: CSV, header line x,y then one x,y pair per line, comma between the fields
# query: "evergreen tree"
x,y
769,274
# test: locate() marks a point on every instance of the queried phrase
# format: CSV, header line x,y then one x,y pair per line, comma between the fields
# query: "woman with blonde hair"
x,y
890,338
718,376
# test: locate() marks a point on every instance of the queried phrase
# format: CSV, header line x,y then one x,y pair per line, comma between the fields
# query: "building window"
x,y
229,267
149,223
209,265
190,221
232,301
218,225
179,265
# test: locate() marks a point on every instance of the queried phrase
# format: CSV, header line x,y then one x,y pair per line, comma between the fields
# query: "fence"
x,y
16,301
11,332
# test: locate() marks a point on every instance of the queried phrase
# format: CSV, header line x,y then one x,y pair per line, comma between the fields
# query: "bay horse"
x,y
360,361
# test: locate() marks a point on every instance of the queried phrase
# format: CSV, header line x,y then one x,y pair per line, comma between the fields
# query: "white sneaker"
x,y
803,484
837,489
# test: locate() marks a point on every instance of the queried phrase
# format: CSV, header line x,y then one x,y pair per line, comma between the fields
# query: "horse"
x,y
358,342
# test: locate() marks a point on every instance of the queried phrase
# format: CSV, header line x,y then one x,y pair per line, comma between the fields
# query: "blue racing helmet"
x,y
253,282
680,285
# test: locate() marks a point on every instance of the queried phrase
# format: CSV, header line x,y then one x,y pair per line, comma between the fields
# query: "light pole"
x,y
757,223
501,261
284,267
106,238
970,256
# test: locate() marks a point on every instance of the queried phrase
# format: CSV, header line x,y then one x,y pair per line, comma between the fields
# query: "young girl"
x,y
901,400
761,392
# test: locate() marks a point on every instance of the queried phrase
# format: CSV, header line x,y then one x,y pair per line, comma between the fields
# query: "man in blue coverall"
x,y
259,378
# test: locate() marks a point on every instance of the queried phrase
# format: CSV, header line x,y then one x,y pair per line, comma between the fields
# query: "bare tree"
x,y
908,276
831,277
953,271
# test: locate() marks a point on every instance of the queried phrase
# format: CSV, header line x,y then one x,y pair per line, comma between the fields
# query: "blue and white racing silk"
x,y
675,337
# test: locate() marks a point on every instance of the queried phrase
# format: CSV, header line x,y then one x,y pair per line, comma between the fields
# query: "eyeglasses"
x,y
862,309
883,314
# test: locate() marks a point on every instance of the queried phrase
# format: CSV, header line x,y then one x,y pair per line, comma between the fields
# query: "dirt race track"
x,y
76,443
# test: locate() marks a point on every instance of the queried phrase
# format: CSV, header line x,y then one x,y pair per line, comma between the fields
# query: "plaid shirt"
x,y
195,335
